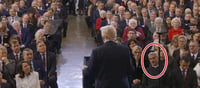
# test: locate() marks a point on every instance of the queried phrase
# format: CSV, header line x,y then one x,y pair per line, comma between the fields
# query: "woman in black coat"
x,y
136,79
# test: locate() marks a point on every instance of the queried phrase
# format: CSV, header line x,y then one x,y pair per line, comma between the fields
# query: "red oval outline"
x,y
166,61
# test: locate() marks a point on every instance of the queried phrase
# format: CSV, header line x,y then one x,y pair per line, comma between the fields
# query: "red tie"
x,y
44,61
184,78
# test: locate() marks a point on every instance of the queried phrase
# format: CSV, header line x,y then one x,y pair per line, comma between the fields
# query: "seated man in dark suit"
x,y
3,82
45,64
25,24
23,33
15,53
183,76
154,69
7,67
110,64
194,54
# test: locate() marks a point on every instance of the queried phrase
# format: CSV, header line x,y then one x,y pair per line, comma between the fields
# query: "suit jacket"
x,y
193,61
9,71
39,65
5,85
25,36
152,28
167,14
95,14
31,28
176,56
41,11
12,57
110,70
155,83
190,79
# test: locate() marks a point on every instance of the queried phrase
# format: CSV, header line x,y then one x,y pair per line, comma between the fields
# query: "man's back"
x,y
110,66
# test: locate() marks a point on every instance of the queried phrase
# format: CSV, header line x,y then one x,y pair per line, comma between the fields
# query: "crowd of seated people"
x,y
175,24
28,48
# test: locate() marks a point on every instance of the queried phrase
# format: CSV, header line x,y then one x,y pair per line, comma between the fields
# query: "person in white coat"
x,y
197,69
26,77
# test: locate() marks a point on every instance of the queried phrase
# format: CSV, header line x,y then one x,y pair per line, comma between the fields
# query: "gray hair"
x,y
188,10
121,7
108,32
40,31
102,12
153,53
158,19
3,48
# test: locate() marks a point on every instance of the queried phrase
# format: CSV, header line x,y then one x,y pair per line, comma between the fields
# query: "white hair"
x,y
39,32
158,19
188,10
132,21
121,7
3,48
102,12
174,19
133,4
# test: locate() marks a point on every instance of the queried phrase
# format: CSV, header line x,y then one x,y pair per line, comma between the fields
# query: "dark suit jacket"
x,y
192,61
12,57
51,65
5,85
25,36
176,56
9,71
166,14
32,29
95,14
178,81
110,66
122,24
155,83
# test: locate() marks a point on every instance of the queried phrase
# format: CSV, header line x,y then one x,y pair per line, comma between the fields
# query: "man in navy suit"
x,y
26,25
23,33
45,64
171,12
41,7
110,64
15,53
194,54
184,76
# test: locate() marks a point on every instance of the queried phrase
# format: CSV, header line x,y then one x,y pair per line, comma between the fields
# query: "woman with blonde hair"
x,y
4,34
176,28
173,45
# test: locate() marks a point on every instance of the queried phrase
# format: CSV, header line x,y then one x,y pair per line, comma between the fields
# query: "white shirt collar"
x,y
155,66
195,55
182,69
